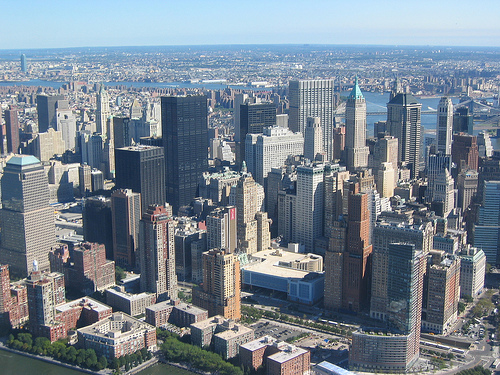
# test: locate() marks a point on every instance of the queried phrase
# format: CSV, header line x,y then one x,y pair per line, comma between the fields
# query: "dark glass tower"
x,y
27,220
12,130
185,134
142,169
46,108
97,222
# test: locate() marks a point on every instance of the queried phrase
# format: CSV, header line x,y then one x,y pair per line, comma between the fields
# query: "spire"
x,y
356,92
243,167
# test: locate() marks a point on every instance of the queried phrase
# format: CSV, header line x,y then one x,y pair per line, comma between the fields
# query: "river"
x,y
18,364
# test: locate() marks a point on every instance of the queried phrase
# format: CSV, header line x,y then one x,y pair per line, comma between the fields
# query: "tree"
x,y
119,274
103,361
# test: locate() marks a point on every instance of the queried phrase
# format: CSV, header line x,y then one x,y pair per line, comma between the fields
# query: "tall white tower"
x,y
444,127
313,138
355,132
102,112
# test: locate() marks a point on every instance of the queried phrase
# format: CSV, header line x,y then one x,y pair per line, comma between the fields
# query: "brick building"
x,y
132,304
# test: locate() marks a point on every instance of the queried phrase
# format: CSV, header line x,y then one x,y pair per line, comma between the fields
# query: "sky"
x,y
91,23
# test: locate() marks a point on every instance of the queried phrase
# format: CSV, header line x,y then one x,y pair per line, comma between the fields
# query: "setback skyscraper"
x,y
444,128
102,111
46,109
27,220
355,130
185,138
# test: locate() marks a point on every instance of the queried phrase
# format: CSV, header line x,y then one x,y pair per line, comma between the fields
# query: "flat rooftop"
x,y
189,308
236,331
85,302
214,320
287,354
261,342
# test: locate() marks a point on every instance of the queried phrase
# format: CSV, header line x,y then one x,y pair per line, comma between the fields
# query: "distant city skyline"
x,y
31,24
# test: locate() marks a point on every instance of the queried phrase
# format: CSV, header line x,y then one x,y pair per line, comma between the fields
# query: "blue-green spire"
x,y
356,92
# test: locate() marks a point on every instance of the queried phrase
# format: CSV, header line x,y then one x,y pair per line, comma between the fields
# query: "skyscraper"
x,y
403,122
142,169
12,130
355,130
46,109
487,229
221,229
313,138
254,117
24,63
444,128
102,111
185,139
221,290
313,98
465,152
27,220
126,215
246,207
157,253
98,223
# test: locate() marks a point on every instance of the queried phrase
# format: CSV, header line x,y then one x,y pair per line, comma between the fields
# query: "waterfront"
x,y
18,364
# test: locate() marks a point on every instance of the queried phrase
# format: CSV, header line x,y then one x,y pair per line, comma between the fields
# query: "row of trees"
x,y
85,358
478,370
177,351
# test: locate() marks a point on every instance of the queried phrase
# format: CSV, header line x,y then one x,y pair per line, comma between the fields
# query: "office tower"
x,y
487,228
398,349
48,144
185,138
221,229
464,151
484,145
5,297
441,292
24,63
142,169
98,222
467,181
313,98
385,180
463,120
122,129
338,142
97,180
436,164
187,233
355,130
443,194
334,189
28,230
220,293
282,120
313,138
197,249
254,117
403,122
444,128
385,150
270,149
126,215
66,124
263,231
46,109
472,271
357,253
109,151
247,206
84,179
239,99
45,292
383,235
157,253
334,264
102,112
135,110
12,130
308,218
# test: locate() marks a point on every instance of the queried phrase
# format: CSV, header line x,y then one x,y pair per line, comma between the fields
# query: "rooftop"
x,y
23,160
261,342
289,352
85,302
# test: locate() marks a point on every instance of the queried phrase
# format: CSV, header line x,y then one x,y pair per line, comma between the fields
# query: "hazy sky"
x,y
69,23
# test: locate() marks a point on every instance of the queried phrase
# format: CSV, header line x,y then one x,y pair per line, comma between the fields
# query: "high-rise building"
x,y
355,130
444,128
463,120
46,109
98,222
102,112
313,138
472,271
383,235
157,253
142,169
385,150
309,206
464,151
444,193
221,229
254,117
357,254
185,138
441,292
5,298
385,180
399,350
66,124
12,130
24,63
467,181
313,98
487,229
239,99
27,220
48,144
126,215
403,122
270,149
221,290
